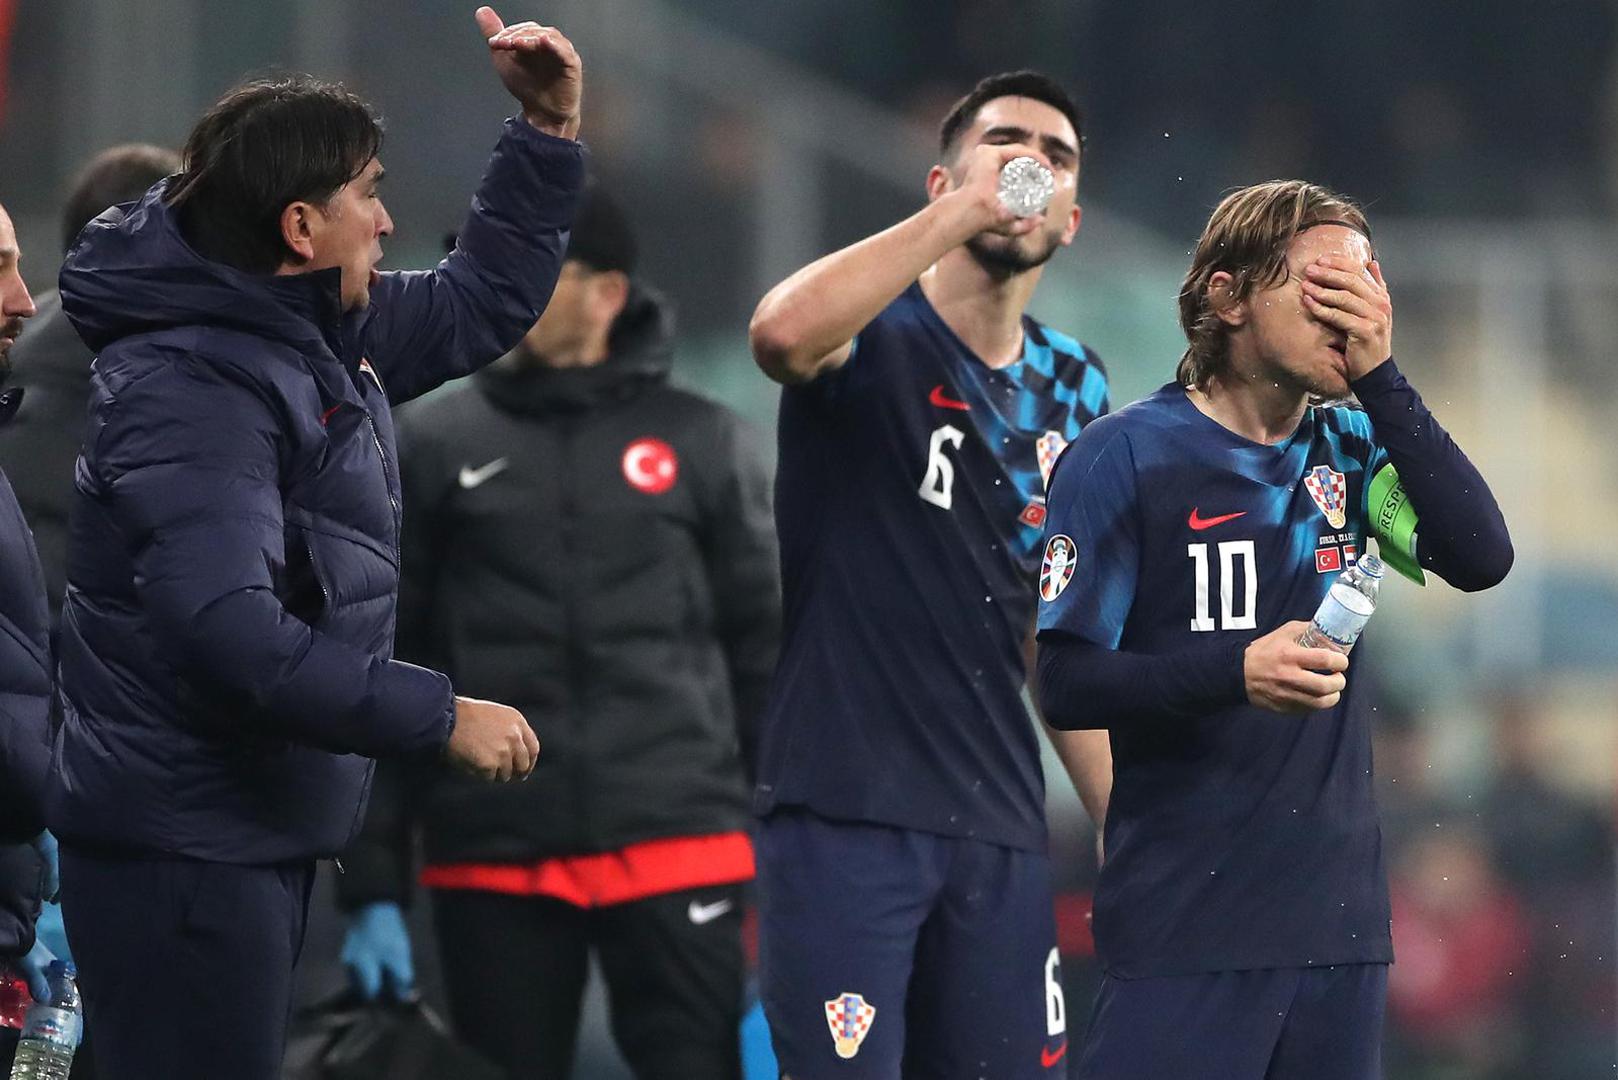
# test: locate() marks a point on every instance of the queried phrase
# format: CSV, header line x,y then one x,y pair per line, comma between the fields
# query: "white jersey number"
x,y
1055,1003
1229,618
938,486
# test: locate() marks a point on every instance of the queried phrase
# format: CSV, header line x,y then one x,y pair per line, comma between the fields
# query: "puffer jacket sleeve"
x,y
429,326
188,459
739,548
27,681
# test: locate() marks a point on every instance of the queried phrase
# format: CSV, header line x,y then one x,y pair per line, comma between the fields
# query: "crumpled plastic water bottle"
x,y
1026,186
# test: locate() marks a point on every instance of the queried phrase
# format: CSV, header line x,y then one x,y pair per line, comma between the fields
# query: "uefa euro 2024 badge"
x,y
849,1017
1061,556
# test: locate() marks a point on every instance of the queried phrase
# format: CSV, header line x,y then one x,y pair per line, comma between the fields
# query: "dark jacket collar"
x,y
131,272
641,352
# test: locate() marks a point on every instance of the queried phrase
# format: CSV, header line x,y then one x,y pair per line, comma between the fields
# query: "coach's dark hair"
x,y
1028,84
266,144
118,174
1247,237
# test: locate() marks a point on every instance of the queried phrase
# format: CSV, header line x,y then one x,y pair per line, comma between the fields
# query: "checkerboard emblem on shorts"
x,y
849,1018
1330,492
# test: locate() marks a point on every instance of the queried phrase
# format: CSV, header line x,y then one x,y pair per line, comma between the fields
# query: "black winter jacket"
x,y
593,547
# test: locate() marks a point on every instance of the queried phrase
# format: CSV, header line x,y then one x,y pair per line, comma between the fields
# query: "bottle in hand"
x,y
52,1029
1348,605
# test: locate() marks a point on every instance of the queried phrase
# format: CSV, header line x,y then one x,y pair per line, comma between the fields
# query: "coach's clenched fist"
x,y
491,741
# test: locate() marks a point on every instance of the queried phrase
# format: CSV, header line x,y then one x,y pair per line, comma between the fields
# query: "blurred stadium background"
x,y
749,136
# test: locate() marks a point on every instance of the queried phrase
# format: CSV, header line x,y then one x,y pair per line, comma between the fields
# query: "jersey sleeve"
x,y
1092,540
1461,534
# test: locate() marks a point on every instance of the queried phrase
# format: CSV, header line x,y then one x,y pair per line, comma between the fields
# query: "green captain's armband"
x,y
1393,523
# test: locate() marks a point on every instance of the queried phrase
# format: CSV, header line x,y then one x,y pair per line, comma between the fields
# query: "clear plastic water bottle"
x,y
52,1031
1346,609
1026,186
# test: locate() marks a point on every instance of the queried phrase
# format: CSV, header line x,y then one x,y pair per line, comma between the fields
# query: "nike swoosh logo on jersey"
x,y
1049,1057
707,913
471,478
937,398
1199,523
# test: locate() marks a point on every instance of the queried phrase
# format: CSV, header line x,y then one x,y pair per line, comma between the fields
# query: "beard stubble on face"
x,y
8,340
1002,256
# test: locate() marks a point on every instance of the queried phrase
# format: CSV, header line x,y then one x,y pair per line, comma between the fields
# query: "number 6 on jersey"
x,y
938,485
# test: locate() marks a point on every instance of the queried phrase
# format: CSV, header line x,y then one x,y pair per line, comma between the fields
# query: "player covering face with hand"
x,y
1242,913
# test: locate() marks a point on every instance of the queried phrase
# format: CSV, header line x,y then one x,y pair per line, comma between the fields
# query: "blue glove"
x,y
45,844
376,950
52,933
758,1054
32,967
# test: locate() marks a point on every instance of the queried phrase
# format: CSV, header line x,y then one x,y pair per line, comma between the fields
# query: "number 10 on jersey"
x,y
1231,553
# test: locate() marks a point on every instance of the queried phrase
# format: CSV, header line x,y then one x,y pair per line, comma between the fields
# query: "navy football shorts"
x,y
1321,1023
885,951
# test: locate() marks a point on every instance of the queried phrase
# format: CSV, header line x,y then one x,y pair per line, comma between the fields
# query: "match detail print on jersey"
x,y
650,465
850,1017
1061,556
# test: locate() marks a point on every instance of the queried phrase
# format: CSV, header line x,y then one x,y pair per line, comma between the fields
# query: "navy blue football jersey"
x,y
910,504
1243,838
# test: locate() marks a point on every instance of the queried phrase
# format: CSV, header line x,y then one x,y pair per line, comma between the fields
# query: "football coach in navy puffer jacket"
x,y
25,677
233,560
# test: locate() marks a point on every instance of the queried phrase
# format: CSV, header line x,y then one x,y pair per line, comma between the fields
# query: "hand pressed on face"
x,y
1352,297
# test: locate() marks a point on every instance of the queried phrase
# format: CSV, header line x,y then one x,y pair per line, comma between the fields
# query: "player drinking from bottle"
x,y
904,886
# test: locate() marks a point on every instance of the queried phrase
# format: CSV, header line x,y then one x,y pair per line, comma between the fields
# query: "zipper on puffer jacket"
x,y
386,484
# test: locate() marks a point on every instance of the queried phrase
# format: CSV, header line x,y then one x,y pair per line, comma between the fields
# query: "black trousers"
x,y
185,966
515,969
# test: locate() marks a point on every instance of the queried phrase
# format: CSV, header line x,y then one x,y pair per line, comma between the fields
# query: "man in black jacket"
x,y
39,445
595,547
